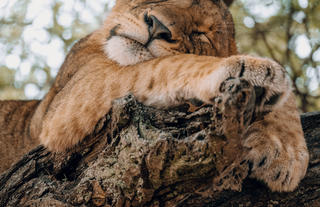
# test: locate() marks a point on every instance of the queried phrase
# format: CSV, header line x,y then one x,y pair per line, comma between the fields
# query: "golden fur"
x,y
142,49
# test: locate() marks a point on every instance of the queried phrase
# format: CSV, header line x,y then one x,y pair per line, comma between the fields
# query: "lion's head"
x,y
138,30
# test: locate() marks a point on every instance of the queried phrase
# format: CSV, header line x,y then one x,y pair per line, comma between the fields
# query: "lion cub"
x,y
142,48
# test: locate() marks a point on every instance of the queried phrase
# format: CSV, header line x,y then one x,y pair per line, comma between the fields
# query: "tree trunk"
x,y
141,156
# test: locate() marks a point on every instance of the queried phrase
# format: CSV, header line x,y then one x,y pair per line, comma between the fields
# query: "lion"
x,y
165,52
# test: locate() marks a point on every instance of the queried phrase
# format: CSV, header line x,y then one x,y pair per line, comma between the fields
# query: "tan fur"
x,y
121,57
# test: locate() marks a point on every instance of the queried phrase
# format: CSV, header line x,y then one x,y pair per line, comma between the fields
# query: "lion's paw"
x,y
270,81
280,165
235,104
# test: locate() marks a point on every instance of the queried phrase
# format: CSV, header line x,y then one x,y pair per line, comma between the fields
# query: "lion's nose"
x,y
156,29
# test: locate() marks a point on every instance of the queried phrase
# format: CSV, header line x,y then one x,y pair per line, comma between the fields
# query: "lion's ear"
x,y
228,2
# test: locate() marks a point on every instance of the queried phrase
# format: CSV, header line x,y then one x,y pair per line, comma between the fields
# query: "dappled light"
x,y
287,32
35,38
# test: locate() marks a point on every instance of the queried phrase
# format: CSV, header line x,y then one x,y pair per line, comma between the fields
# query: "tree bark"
x,y
141,156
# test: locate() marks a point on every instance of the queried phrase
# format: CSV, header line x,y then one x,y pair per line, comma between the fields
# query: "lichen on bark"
x,y
142,156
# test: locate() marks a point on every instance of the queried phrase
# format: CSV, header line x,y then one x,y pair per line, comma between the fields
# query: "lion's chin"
x,y
126,51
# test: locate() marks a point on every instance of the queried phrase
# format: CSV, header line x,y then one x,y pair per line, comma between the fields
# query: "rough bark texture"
x,y
141,156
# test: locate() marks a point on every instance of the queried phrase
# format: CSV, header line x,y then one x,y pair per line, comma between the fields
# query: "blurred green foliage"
x,y
287,31
35,35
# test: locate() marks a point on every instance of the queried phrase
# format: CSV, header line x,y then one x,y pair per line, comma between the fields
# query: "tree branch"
x,y
141,156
